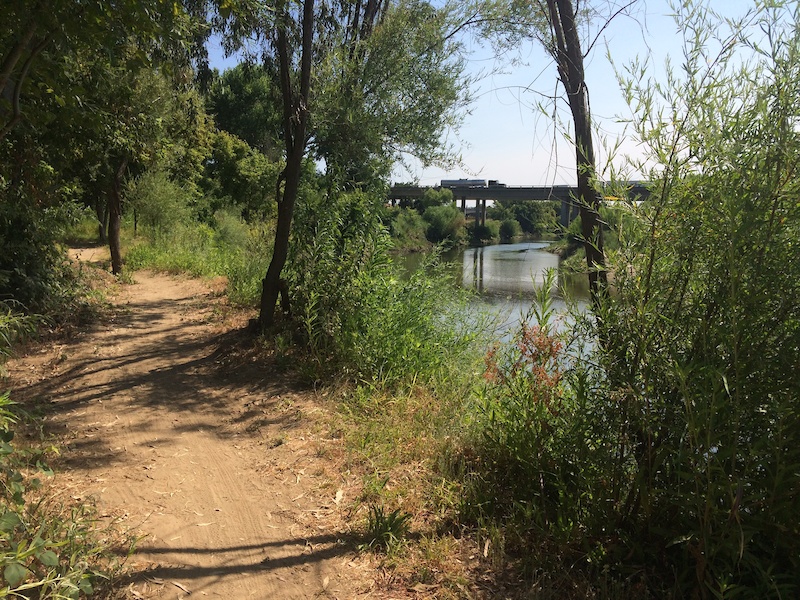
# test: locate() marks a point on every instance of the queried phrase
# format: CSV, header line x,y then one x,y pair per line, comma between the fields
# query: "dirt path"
x,y
215,461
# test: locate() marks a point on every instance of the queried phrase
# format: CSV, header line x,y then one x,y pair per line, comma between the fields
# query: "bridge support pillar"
x,y
569,211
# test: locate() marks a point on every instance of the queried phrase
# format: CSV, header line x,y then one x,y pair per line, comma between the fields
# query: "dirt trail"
x,y
215,461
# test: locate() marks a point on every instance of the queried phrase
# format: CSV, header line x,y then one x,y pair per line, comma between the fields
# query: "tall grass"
x,y
359,315
230,248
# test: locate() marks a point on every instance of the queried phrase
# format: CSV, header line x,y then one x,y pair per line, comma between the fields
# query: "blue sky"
x,y
505,137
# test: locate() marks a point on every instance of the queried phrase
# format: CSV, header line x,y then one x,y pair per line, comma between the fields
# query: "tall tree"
x,y
555,24
565,47
361,84
295,85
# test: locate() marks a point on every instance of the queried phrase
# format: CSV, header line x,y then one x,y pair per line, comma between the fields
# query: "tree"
x,y
37,34
135,116
554,23
295,93
361,84
245,101
391,83
565,47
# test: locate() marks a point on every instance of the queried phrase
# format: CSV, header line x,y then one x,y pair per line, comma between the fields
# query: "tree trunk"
x,y
115,217
569,59
272,284
295,118
101,210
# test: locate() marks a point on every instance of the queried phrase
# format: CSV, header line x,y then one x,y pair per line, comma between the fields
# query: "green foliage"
x,y
534,217
36,39
230,247
46,550
483,234
700,337
239,176
388,84
537,217
13,327
407,228
246,103
356,311
531,443
434,197
159,203
662,438
445,224
33,268
509,229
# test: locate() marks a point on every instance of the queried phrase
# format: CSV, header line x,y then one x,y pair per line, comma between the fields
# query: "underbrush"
x,y
50,548
230,248
357,315
653,449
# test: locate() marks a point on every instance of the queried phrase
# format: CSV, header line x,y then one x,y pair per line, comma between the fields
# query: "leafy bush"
x,y
408,229
537,217
525,418
445,224
699,340
241,177
357,312
33,268
434,197
509,229
482,234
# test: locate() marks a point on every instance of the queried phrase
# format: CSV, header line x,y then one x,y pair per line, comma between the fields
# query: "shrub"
x,y
159,204
408,230
357,312
482,234
509,229
445,224
33,268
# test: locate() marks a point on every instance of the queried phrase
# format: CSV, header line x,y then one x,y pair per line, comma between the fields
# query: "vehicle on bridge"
x,y
462,183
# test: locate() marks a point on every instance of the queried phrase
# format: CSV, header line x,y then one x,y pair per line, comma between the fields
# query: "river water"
x,y
506,277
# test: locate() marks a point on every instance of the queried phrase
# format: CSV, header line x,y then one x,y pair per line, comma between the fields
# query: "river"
x,y
506,276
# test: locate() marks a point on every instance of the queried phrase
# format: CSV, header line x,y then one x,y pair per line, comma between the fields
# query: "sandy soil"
x,y
214,459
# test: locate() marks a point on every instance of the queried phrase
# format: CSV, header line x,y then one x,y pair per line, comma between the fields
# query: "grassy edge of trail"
x,y
53,545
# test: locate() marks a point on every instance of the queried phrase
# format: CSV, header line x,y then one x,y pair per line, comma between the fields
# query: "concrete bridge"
x,y
481,191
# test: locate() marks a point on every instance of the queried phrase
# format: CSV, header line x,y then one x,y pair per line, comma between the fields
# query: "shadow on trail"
x,y
302,552
162,356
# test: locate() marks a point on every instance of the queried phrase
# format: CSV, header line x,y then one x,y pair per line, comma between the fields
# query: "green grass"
x,y
48,548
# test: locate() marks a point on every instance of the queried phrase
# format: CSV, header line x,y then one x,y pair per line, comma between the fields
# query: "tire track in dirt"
x,y
157,433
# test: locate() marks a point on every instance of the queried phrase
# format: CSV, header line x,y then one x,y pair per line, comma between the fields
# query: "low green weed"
x,y
386,530
48,550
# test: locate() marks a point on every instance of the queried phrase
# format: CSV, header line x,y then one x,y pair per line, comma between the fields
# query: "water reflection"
x,y
506,272
507,269
506,277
